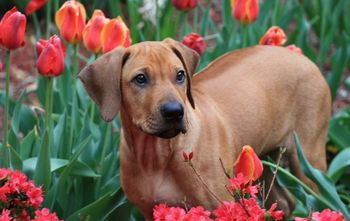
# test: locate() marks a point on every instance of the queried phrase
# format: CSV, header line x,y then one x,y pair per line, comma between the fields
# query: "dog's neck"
x,y
151,152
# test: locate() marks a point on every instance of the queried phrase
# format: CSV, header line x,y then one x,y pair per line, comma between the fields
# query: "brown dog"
x,y
256,96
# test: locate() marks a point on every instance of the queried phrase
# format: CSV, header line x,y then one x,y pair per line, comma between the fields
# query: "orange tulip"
x,y
185,4
92,32
249,164
51,55
195,42
70,20
115,33
35,5
274,36
12,29
295,49
245,11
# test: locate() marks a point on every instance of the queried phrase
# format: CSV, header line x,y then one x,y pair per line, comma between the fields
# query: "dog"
x,y
255,96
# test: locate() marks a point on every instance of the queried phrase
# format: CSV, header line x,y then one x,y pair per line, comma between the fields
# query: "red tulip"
x,y
295,49
35,5
51,55
249,164
115,33
185,4
92,32
70,20
245,11
195,42
274,36
12,28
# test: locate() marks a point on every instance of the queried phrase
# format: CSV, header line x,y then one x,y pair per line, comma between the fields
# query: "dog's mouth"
x,y
170,133
165,131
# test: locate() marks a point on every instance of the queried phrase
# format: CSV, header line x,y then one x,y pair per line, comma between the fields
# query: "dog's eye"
x,y
140,79
180,77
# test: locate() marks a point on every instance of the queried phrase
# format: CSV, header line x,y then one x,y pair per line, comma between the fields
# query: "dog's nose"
x,y
172,111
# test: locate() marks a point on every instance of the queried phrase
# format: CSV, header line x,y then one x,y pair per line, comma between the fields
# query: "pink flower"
x,y
239,184
295,49
163,213
45,215
197,214
328,215
276,214
35,196
5,215
230,211
300,219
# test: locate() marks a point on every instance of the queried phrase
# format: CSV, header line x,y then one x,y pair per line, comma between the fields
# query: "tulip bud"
x,y
92,32
274,36
35,5
51,55
184,4
245,11
70,20
249,164
295,49
115,33
187,157
12,29
195,42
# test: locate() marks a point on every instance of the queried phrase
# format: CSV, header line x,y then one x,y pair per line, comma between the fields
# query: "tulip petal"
x,y
12,29
249,164
35,5
114,34
51,56
92,32
70,20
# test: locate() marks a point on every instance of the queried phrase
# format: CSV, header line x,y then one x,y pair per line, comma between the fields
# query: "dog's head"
x,y
151,80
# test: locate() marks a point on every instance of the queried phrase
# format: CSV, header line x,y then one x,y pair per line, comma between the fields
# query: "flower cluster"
x,y
165,213
245,206
325,215
100,34
276,36
20,199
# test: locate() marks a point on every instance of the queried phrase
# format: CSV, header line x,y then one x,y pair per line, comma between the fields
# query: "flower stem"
x,y
282,150
204,183
48,18
74,75
5,152
245,35
48,104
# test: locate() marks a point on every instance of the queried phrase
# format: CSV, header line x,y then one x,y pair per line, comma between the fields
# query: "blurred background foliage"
x,y
83,180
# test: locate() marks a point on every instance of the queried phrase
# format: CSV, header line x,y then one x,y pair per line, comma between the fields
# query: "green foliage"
x,y
78,161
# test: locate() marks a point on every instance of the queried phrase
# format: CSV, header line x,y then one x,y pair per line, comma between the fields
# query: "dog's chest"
x,y
162,188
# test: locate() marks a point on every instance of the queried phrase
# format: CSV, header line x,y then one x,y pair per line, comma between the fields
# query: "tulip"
x,y
92,32
70,20
115,33
245,11
184,4
12,28
295,49
249,164
274,36
195,42
35,5
51,55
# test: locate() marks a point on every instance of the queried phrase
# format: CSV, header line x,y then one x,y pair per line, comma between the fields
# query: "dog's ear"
x,y
101,80
189,59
